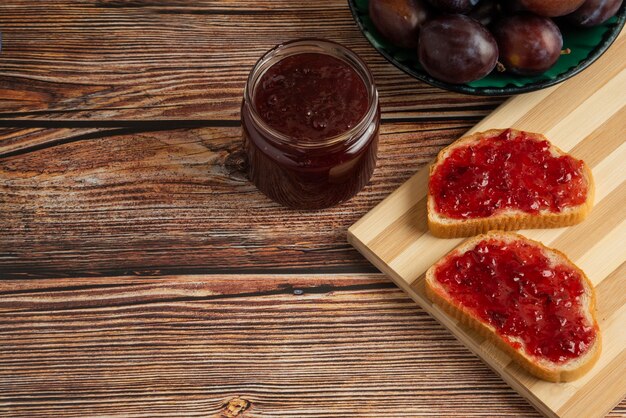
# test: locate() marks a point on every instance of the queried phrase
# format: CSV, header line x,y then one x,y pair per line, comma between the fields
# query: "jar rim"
x,y
322,46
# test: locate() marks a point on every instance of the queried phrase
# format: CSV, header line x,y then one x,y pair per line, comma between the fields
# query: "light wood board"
x,y
585,116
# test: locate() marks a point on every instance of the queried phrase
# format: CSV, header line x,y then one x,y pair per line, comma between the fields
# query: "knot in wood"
x,y
235,407
236,165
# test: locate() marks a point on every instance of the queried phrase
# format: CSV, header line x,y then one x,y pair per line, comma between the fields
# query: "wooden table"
x,y
142,274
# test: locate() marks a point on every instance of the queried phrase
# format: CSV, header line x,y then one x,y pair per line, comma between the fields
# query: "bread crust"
x,y
571,370
444,227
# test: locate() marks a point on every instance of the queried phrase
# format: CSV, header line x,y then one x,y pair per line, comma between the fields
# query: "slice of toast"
x,y
506,218
456,298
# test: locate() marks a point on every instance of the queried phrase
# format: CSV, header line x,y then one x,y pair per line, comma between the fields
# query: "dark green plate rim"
x,y
608,38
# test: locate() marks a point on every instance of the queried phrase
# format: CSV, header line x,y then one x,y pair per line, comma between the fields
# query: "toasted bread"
x,y
514,346
444,226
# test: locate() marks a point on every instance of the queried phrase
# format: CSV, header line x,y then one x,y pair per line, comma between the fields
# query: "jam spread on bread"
x,y
515,288
506,172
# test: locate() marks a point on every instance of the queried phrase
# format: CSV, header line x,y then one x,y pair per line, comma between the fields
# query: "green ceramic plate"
x,y
586,45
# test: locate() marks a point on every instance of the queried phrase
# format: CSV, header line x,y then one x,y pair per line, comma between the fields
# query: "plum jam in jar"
x,y
310,118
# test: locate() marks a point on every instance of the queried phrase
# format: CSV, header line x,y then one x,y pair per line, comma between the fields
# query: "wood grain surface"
x,y
176,201
164,59
304,345
142,275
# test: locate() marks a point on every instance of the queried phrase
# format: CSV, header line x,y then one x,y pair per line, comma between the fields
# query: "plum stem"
x,y
500,67
566,51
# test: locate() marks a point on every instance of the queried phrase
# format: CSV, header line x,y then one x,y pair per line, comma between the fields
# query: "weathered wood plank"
x,y
198,345
176,201
102,60
21,140
300,345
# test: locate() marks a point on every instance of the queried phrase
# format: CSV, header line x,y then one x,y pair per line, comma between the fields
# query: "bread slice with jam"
x,y
530,300
506,180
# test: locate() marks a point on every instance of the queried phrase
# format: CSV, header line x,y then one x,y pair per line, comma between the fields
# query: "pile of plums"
x,y
459,41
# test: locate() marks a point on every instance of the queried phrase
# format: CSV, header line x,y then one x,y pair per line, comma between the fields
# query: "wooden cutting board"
x,y
586,116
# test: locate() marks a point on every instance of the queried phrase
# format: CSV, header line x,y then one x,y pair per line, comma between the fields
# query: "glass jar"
x,y
295,159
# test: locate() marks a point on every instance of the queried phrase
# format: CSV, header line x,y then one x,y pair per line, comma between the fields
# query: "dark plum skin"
x,y
512,6
454,6
528,44
399,21
551,8
456,49
594,12
485,12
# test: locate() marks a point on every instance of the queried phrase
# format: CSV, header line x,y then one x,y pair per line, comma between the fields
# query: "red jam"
x,y
513,287
310,124
506,172
311,96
